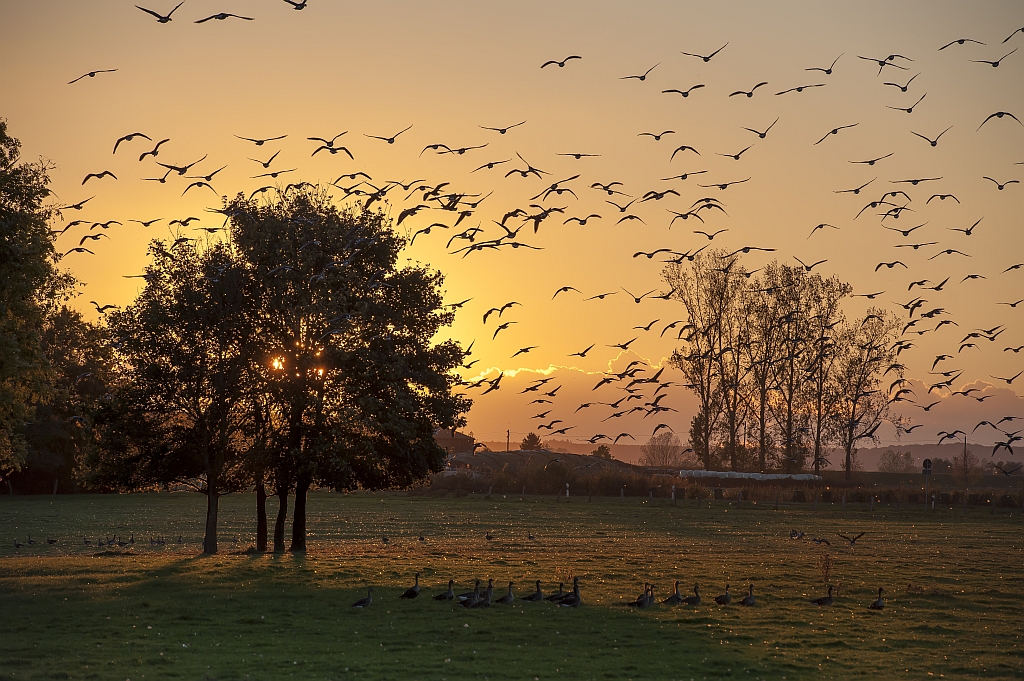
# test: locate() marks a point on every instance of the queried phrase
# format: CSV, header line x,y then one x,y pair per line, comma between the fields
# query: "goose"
x,y
724,599
31,540
824,600
507,598
49,541
557,596
414,590
695,598
85,540
880,603
793,534
18,545
676,598
447,595
472,598
573,599
641,599
365,602
485,602
648,598
749,600
537,595
131,539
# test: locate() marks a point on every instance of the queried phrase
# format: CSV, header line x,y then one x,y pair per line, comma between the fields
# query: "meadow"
x,y
68,610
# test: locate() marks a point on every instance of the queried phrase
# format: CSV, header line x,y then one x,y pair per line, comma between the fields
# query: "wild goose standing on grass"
x,y
485,602
648,598
695,598
447,595
880,603
573,599
824,600
537,595
641,599
558,595
724,599
676,598
365,602
472,598
414,590
749,600
507,598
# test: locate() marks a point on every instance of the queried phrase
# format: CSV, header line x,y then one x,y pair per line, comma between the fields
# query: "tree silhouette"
x,y
356,386
531,443
31,288
179,410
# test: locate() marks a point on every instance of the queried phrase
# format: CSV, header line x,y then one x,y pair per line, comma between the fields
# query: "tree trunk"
x,y
849,461
762,436
212,503
282,516
261,516
299,515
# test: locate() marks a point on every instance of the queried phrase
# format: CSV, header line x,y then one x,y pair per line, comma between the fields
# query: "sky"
x,y
448,68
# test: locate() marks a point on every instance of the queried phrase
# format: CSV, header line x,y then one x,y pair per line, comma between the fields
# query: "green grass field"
x,y
953,584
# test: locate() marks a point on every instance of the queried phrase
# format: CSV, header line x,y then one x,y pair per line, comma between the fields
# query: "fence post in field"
x,y
844,501
872,501
776,498
567,492
522,496
489,490
673,495
622,495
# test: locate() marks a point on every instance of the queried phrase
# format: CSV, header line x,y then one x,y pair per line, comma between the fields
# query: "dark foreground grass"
x,y
954,589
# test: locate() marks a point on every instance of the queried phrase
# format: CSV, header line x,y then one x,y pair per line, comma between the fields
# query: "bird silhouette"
x,y
560,64
706,58
91,74
221,16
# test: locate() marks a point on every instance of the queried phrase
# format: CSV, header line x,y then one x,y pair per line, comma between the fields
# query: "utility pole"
x,y
508,438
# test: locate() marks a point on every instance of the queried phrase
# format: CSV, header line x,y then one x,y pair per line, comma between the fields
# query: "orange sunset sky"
x,y
448,68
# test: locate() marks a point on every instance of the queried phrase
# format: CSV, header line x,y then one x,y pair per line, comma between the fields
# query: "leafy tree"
x,y
356,385
30,288
663,449
532,443
895,462
184,347
705,291
602,452
80,360
867,352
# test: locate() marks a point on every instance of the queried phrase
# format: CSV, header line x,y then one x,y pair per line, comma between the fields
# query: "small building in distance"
x,y
454,442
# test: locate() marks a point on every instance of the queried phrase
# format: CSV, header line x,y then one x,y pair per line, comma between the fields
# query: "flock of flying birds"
x,y
553,202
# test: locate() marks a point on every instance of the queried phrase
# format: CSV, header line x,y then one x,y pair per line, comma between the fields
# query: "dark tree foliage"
x,y
185,355
356,387
30,289
531,443
80,360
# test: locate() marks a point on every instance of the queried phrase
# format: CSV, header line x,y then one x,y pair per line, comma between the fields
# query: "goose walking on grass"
x,y
695,598
508,598
648,598
537,595
414,590
366,601
447,595
824,600
749,600
676,598
880,603
573,599
558,595
724,599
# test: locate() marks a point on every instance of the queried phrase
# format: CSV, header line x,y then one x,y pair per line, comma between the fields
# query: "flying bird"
x,y
909,109
750,92
683,93
99,176
934,142
560,64
960,41
835,131
91,74
222,16
161,18
706,58
997,62
828,71
260,142
999,114
642,77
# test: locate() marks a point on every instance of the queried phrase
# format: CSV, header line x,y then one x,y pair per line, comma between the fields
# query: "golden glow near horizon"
x,y
449,68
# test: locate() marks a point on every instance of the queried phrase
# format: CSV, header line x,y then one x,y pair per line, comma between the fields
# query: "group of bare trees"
x,y
780,374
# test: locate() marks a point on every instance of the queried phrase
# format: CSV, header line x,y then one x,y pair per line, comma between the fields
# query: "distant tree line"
x,y
780,374
293,353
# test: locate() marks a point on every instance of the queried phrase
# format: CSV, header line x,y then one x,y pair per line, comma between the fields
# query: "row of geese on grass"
x,y
476,599
571,599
